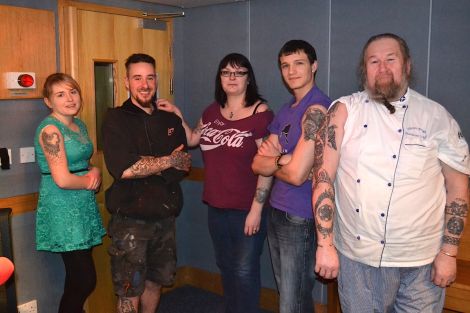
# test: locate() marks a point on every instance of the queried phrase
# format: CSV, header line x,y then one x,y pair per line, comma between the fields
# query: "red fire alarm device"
x,y
20,80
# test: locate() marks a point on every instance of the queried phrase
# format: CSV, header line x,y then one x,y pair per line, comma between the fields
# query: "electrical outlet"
x,y
28,307
27,155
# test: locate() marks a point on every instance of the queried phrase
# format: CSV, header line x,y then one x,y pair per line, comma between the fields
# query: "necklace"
x,y
231,115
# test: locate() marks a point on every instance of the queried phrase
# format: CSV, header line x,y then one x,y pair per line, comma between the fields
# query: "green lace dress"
x,y
66,219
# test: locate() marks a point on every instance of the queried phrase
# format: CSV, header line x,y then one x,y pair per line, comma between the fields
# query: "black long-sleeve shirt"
x,y
129,133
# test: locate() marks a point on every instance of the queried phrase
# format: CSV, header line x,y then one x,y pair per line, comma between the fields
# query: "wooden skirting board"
x,y
269,299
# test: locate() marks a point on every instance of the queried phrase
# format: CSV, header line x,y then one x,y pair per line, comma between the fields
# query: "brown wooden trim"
x,y
107,9
269,299
196,174
20,204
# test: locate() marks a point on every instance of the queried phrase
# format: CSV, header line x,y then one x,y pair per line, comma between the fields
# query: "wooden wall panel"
x,y
27,44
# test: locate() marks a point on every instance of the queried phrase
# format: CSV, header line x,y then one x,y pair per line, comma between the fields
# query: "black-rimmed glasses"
x,y
225,73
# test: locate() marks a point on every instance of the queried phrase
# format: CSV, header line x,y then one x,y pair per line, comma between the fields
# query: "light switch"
x,y
27,155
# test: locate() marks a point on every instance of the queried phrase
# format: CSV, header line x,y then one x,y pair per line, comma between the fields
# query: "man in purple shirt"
x,y
298,127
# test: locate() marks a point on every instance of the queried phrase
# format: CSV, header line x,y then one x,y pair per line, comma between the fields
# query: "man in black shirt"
x,y
145,152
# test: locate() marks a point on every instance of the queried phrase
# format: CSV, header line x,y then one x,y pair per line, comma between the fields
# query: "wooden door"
x,y
95,34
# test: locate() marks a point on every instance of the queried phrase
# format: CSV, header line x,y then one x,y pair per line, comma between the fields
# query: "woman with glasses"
x,y
229,133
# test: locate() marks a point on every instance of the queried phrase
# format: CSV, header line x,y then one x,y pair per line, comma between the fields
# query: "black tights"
x,y
80,280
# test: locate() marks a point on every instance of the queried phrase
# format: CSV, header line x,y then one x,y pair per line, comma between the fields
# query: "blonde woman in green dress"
x,y
67,219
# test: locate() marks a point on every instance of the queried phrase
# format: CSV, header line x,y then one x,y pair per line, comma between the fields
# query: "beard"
x,y
388,90
145,103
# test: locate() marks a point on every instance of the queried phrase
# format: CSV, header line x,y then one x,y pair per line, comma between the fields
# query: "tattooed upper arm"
x,y
314,119
51,142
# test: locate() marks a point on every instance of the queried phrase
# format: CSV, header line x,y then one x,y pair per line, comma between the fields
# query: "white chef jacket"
x,y
390,192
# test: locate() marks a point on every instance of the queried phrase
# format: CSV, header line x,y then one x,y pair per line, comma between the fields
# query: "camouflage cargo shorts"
x,y
141,250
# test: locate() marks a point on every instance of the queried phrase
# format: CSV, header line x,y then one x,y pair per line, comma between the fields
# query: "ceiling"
x,y
191,3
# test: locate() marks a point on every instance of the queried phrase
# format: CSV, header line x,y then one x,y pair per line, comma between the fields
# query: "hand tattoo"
x,y
180,160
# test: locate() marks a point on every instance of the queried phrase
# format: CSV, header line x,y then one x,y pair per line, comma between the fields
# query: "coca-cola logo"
x,y
212,138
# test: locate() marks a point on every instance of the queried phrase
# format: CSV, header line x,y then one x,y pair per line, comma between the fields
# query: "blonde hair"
x,y
58,78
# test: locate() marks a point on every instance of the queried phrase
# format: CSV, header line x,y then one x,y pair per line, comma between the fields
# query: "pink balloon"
x,y
6,269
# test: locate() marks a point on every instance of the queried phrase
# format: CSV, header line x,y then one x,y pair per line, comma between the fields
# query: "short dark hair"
x,y
405,51
237,60
59,78
138,58
296,45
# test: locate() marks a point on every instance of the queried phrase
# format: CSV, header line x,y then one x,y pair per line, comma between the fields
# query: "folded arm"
x,y
150,165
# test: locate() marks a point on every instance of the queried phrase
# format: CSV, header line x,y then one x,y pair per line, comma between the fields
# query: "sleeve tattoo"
x,y
147,164
324,204
457,210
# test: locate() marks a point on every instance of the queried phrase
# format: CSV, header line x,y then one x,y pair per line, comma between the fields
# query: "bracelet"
x,y
276,161
448,254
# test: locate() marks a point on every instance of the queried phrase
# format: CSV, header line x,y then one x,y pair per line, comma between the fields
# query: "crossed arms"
x,y
307,161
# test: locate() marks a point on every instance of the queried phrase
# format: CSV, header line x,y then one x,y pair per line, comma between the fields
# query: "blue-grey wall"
x,y
436,31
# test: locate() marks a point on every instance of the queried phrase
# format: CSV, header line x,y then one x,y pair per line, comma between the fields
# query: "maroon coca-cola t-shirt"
x,y
228,148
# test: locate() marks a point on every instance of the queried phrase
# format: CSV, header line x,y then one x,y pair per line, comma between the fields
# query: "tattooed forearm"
x,y
457,208
327,194
322,176
455,226
451,240
51,143
325,212
325,231
314,120
261,195
148,165
126,306
456,212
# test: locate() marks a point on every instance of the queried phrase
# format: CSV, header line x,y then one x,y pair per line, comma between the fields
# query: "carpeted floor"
x,y
188,299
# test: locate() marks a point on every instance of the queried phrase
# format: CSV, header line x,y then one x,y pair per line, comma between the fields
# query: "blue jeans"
x,y
292,246
363,288
238,258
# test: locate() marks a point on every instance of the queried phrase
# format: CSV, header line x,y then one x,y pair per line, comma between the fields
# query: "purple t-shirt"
x,y
228,148
296,200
